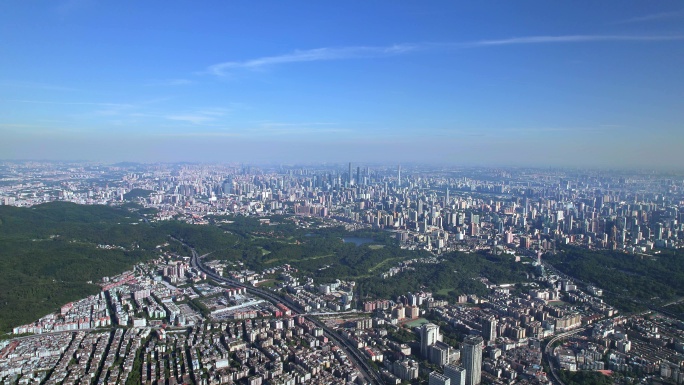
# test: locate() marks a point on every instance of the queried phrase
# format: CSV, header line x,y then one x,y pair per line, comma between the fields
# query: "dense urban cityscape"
x,y
385,192
192,314
427,208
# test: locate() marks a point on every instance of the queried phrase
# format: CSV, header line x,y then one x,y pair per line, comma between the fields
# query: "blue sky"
x,y
493,83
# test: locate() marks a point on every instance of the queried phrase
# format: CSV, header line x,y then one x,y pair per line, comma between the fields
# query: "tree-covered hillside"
x,y
49,253
630,282
459,273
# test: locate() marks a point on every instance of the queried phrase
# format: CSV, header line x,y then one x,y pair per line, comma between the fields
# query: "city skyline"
x,y
170,273
530,85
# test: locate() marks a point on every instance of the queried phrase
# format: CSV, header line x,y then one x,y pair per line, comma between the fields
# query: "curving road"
x,y
548,352
352,352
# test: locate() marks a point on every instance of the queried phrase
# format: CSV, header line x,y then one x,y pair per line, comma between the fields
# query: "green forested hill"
x,y
49,252
630,282
459,273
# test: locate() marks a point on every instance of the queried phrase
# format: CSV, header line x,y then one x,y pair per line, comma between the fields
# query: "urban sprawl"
x,y
184,318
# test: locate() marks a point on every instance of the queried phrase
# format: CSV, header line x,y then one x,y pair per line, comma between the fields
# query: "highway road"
x,y
370,375
548,353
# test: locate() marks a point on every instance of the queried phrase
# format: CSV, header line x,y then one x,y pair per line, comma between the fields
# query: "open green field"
x,y
416,323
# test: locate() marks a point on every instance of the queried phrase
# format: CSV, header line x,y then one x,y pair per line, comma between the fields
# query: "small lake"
x,y
357,241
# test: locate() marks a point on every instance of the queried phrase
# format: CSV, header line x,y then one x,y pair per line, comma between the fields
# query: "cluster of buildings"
x,y
503,333
304,291
264,351
319,298
407,265
429,355
39,354
233,337
88,313
651,345
432,208
165,323
173,341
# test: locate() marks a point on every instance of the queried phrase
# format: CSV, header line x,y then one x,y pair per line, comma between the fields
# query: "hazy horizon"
x,y
537,84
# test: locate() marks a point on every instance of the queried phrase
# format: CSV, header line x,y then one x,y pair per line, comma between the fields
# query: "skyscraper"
x,y
471,357
351,179
429,335
228,186
399,177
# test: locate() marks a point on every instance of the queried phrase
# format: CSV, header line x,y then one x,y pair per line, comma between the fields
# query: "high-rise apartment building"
x,y
489,328
456,374
438,379
471,358
429,335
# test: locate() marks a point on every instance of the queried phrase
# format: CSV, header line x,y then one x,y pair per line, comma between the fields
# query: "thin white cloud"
x,y
254,130
317,54
652,17
200,116
127,113
574,39
120,105
277,124
311,128
214,111
33,129
192,118
507,132
210,134
355,52
18,125
170,82
562,129
42,86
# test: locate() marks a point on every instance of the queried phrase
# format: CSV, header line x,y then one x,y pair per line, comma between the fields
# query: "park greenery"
x,y
630,282
585,377
321,254
458,273
676,308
